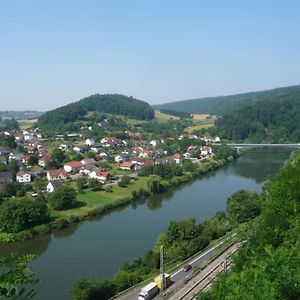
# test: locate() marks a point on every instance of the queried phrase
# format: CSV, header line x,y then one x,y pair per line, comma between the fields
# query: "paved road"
x,y
261,145
180,277
202,280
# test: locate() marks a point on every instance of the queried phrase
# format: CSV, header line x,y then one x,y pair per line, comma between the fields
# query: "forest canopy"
x,y
223,105
274,120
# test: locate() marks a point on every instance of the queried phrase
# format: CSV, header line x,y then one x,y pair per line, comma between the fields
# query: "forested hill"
x,y
276,120
227,104
109,103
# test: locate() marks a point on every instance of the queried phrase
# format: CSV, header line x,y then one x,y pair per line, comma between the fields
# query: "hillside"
x,y
227,104
275,120
109,103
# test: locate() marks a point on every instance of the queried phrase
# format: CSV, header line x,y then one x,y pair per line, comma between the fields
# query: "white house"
x,y
177,157
72,166
101,175
154,143
130,166
118,159
90,142
52,185
217,139
204,151
23,177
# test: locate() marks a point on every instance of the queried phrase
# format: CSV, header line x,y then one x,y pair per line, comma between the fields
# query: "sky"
x,y
54,52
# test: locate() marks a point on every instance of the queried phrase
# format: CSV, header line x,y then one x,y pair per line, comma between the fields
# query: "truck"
x,y
149,291
158,280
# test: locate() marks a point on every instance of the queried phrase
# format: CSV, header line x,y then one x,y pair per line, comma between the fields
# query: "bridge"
x,y
261,145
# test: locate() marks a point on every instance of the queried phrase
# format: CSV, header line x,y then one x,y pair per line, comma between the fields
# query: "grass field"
x,y
201,121
100,199
164,117
24,124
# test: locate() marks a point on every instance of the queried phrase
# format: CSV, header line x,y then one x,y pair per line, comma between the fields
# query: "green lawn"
x,y
100,199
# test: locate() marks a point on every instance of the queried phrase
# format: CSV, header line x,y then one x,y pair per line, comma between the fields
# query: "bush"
x,y
62,198
60,223
42,229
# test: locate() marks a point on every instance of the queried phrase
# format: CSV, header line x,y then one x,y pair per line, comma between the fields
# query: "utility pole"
x,y
162,271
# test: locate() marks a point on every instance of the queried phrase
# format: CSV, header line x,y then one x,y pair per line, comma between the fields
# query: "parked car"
x,y
186,267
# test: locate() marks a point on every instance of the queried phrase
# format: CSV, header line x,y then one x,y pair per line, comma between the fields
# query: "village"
x,y
36,159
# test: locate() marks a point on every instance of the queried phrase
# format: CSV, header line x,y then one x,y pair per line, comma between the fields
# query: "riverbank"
x,y
93,204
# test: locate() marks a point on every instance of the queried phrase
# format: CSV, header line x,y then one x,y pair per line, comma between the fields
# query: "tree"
x,y
63,197
124,181
95,185
243,206
58,155
82,183
39,184
92,289
20,214
225,152
15,276
154,185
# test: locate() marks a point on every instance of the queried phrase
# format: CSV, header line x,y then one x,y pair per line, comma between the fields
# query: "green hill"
x,y
227,104
275,120
109,103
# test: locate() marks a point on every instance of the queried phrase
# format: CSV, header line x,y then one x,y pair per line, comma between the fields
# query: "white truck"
x,y
149,291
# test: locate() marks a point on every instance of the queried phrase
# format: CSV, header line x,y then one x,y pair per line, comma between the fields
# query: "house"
x,y
57,174
23,177
43,160
118,159
90,142
53,185
187,155
205,151
36,171
177,157
154,143
72,166
100,174
25,159
88,161
4,151
127,165
217,139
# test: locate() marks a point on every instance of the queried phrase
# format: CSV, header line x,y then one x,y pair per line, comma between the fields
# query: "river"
x,y
100,246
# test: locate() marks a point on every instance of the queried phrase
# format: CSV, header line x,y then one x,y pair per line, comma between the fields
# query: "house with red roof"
x,y
178,158
100,174
130,166
57,174
72,166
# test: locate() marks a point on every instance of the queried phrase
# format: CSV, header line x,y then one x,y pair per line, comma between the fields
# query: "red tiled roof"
x,y
74,164
57,172
126,164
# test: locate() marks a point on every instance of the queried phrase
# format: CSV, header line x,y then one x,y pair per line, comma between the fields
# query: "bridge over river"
x,y
261,145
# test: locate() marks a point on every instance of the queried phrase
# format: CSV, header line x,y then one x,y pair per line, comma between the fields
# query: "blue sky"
x,y
56,52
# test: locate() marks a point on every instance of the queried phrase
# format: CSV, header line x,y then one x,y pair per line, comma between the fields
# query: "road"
x,y
179,277
261,145
203,279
